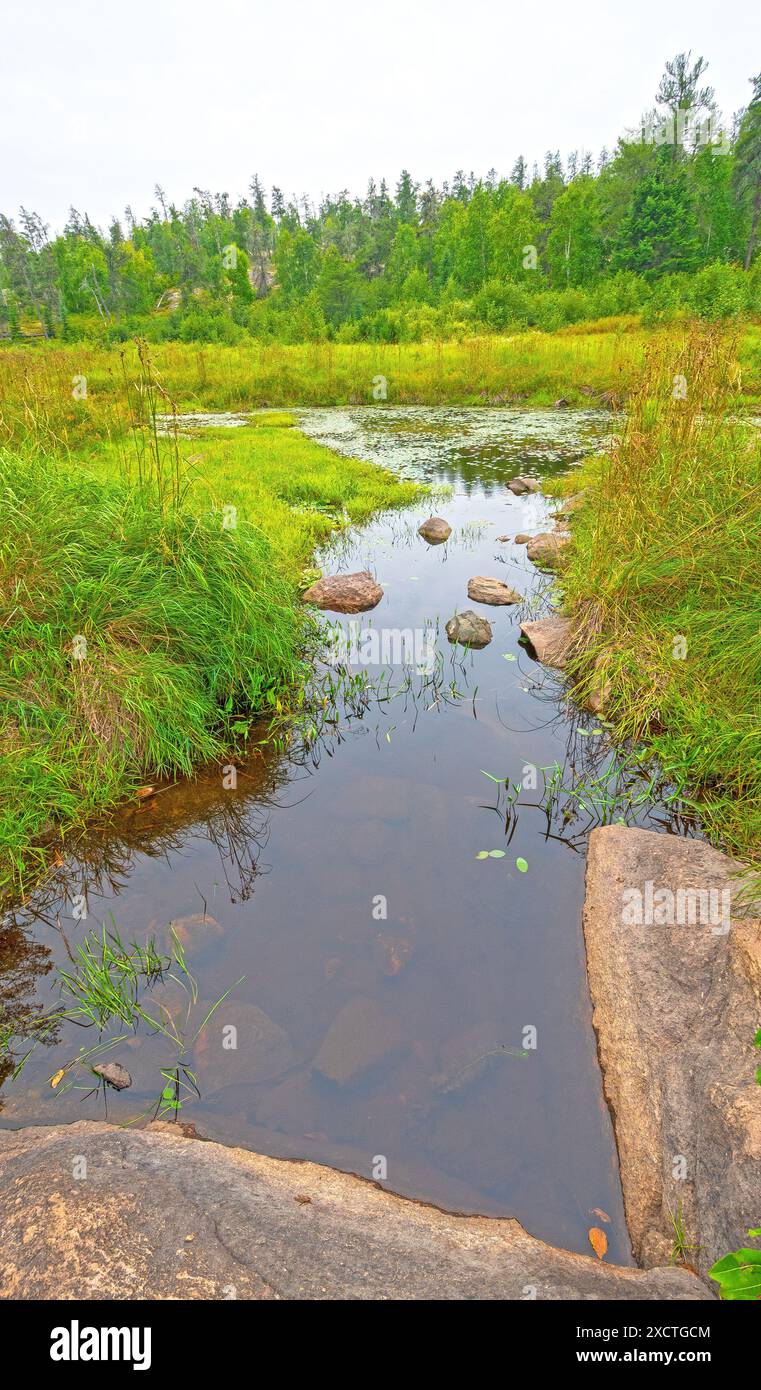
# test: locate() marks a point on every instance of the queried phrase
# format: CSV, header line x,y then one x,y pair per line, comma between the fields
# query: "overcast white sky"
x,y
101,100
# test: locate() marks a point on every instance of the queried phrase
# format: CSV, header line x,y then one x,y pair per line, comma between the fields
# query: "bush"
x,y
719,291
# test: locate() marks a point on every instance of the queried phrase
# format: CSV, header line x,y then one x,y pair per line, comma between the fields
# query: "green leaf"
x,y
496,854
757,1039
521,865
482,854
509,656
754,1231
739,1275
499,780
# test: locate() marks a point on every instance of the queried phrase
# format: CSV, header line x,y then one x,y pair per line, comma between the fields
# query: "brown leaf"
x,y
598,1241
598,1211
144,792
303,1200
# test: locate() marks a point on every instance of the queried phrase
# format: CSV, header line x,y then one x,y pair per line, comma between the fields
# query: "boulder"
x,y
359,1037
522,538
675,980
545,548
345,593
469,629
164,1216
569,505
522,484
484,590
548,639
435,530
562,403
503,538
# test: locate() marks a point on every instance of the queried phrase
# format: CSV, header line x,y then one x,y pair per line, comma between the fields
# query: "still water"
x,y
406,1006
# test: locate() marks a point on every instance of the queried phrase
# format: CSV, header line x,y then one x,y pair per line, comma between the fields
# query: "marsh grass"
x,y
664,581
138,634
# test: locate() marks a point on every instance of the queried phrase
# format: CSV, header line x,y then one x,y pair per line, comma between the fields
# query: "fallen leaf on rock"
x,y
303,1200
598,1241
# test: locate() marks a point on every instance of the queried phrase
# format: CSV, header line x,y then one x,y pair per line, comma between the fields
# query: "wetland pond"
x,y
392,978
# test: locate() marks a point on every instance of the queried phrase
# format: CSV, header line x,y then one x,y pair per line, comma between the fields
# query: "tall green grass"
x,y
664,580
183,626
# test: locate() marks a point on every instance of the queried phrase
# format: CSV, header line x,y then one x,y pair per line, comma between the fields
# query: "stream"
x,y
407,1010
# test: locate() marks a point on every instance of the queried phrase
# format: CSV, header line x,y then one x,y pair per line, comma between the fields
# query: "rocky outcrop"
x,y
675,976
548,639
469,629
545,548
91,1211
481,589
435,530
345,593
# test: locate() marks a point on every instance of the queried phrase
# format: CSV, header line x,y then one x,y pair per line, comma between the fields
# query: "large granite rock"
x,y
345,593
676,1007
157,1215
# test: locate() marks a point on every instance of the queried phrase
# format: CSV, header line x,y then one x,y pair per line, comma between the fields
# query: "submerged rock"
x,y
469,629
123,1233
545,548
240,1044
484,590
674,962
359,1037
435,530
522,484
548,639
345,593
522,538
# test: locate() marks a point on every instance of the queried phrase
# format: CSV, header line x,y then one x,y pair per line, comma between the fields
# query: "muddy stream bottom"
x,y
407,1010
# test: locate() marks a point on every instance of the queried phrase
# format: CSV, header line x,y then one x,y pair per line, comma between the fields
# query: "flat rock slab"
x,y
345,593
161,1216
481,589
435,530
545,548
676,1006
469,629
549,639
522,485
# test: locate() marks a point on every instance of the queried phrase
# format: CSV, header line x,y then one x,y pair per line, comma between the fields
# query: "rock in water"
x,y
238,1045
114,1074
484,590
469,629
548,639
522,538
435,530
345,593
545,548
522,484
359,1037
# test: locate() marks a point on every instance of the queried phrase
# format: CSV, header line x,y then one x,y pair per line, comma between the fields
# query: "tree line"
x,y
669,221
